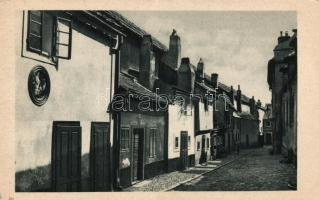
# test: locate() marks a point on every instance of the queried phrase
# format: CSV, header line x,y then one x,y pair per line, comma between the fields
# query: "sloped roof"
x,y
246,115
204,86
121,21
130,84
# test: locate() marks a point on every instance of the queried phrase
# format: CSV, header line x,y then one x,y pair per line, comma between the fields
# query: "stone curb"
x,y
199,175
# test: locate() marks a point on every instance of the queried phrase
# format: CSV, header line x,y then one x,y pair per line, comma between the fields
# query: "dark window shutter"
x,y
34,37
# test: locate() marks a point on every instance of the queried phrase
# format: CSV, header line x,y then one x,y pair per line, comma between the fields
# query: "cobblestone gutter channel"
x,y
169,181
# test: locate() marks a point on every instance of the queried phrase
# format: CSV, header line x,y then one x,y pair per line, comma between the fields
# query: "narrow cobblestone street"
x,y
257,170
167,181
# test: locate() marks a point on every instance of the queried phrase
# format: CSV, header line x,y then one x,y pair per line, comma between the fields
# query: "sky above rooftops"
x,y
236,45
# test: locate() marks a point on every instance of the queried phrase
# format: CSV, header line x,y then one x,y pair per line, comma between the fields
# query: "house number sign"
x,y
39,85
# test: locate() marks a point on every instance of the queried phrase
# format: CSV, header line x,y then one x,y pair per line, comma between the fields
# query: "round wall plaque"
x,y
39,85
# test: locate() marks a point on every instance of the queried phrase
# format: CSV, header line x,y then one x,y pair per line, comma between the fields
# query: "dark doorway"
x,y
66,157
203,156
137,157
100,157
184,150
268,138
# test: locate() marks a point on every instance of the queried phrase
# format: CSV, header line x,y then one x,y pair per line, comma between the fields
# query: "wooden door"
x,y
184,150
202,158
137,154
100,157
66,161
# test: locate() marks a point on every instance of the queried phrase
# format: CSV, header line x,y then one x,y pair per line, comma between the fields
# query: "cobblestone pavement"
x,y
170,180
257,171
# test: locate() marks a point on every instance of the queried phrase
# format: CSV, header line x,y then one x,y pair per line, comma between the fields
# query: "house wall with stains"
x,y
152,165
80,91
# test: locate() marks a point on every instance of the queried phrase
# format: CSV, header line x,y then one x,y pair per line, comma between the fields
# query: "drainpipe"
x,y
115,157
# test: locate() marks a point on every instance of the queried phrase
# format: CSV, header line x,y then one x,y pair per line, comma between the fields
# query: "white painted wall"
x,y
245,108
78,93
178,122
206,117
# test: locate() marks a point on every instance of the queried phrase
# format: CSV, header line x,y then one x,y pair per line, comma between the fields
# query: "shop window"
x,y
125,139
152,138
48,35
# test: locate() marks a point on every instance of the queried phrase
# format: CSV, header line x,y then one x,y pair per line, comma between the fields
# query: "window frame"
x,y
152,149
267,124
122,140
176,141
28,46
53,38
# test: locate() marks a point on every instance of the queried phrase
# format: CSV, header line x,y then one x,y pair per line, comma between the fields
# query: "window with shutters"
x,y
152,141
48,35
125,139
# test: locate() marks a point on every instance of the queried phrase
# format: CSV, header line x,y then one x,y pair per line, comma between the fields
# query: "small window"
x,y
125,139
189,141
46,37
176,142
40,32
198,145
207,143
268,124
152,141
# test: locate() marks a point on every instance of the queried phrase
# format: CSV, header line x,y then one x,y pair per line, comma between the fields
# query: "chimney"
x,y
231,94
258,103
238,99
200,70
252,105
186,75
214,80
185,61
282,37
147,67
173,56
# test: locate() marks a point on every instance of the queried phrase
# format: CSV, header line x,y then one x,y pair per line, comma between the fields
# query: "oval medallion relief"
x,y
39,85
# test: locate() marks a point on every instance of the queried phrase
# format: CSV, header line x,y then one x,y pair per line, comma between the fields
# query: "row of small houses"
x,y
101,104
